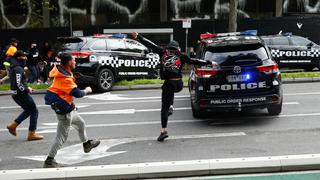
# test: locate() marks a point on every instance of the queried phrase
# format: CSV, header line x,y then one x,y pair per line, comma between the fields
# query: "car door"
x,y
307,52
280,49
142,62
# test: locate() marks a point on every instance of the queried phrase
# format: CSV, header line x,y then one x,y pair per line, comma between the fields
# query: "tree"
x,y
233,11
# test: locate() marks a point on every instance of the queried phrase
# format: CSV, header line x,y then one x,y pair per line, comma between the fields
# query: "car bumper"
x,y
237,103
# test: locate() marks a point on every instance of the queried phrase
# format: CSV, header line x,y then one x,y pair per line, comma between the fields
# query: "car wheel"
x,y
275,109
105,80
197,113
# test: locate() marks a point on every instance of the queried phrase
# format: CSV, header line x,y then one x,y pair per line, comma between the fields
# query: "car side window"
x,y
300,41
282,41
135,46
99,44
116,45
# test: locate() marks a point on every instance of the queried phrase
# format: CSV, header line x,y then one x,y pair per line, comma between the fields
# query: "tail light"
x,y
81,54
206,73
269,67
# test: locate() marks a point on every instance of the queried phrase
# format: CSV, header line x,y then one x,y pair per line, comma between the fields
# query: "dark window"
x,y
74,45
300,41
283,41
135,46
116,45
267,41
99,44
236,55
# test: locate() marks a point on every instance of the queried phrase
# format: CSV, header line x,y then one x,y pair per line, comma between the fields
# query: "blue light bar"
x,y
119,35
249,33
286,34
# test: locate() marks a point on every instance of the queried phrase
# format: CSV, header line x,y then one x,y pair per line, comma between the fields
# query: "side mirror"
x,y
310,45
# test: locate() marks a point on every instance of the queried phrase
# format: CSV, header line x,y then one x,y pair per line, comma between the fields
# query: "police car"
x,y
293,51
103,59
244,76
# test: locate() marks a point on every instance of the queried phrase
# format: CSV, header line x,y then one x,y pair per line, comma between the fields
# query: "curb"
x,y
158,86
173,169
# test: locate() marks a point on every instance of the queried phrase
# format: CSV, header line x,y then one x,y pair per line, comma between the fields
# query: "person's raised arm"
x,y
149,44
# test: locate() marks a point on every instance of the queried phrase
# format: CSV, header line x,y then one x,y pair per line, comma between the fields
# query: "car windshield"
x,y
228,56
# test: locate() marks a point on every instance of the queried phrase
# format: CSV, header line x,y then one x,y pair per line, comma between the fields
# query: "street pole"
x,y
70,24
186,40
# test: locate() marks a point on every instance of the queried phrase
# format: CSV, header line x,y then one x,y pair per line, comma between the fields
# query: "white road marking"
x,y
111,97
74,154
301,94
82,105
133,111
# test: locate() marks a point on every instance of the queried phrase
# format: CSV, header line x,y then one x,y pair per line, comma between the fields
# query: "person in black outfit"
x,y
22,98
32,63
171,63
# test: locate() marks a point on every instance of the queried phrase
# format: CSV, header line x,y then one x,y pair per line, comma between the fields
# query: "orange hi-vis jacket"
x,y
11,51
63,83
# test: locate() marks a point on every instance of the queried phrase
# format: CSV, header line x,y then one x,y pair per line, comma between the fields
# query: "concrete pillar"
x,y
163,10
279,8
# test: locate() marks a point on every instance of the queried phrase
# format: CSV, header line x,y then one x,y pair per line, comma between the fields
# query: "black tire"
x,y
198,113
105,80
275,109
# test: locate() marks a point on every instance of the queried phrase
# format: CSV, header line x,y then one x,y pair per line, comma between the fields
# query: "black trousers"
x,y
29,109
169,87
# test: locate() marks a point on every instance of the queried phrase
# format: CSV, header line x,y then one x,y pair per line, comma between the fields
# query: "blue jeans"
x,y
29,109
34,73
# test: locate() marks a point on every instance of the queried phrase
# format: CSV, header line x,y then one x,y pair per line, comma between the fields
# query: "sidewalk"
x,y
205,167
158,86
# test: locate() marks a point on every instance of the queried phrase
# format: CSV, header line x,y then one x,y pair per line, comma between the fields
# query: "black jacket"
x,y
33,57
17,78
171,66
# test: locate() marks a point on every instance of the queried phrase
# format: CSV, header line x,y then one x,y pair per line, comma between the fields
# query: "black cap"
x,y
14,40
19,53
64,58
173,45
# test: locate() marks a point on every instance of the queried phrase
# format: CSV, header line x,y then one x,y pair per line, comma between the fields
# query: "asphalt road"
x,y
128,123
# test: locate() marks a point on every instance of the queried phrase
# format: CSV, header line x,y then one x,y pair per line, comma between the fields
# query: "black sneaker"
x,y
87,146
51,163
163,135
170,112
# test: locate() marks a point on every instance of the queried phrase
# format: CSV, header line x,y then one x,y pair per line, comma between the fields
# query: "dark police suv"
x,y
245,75
103,59
293,51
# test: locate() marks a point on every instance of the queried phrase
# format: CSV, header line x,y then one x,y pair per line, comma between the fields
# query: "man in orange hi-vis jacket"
x,y
60,96
8,54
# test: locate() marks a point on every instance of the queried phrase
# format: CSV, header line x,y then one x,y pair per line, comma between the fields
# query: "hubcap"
x,y
105,80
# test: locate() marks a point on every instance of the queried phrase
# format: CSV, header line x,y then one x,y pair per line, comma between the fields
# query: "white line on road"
x,y
74,154
99,103
133,111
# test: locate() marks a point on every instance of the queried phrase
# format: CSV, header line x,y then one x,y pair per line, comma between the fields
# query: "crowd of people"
x,y
38,64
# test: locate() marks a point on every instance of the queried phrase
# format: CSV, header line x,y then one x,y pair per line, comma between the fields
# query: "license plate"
x,y
237,78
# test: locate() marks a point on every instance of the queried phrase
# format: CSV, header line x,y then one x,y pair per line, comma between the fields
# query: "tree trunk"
x,y
46,13
233,15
